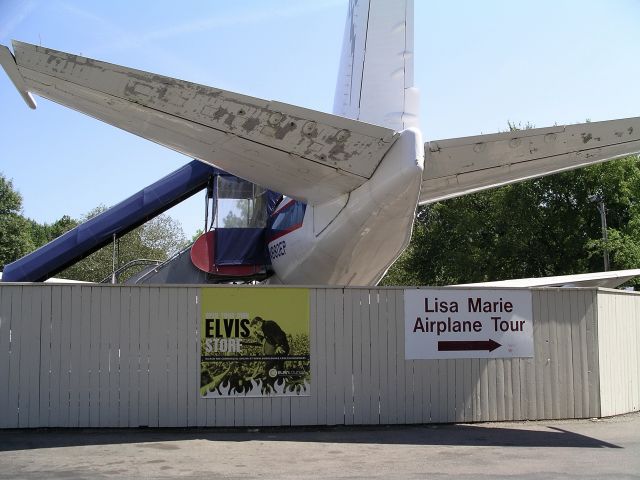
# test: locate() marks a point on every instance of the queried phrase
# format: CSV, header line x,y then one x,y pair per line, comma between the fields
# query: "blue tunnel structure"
x,y
120,219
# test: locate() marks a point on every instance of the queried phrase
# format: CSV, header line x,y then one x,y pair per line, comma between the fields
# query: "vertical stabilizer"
x,y
375,80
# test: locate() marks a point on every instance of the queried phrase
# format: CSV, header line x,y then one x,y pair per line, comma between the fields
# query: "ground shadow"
x,y
433,435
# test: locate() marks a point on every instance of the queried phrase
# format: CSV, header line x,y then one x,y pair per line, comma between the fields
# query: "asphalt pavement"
x,y
585,449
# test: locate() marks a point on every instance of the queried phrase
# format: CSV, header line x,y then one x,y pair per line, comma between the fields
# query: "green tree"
x,y
15,237
158,239
44,233
541,227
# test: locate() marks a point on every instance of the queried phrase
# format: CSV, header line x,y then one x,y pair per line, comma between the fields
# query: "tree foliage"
x,y
541,227
15,238
158,239
42,233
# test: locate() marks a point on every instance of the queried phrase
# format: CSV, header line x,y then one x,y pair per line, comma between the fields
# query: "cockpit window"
x,y
288,218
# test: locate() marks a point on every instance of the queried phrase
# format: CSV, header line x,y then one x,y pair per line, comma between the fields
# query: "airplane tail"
x,y
375,80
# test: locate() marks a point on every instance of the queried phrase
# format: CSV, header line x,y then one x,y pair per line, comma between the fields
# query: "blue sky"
x,y
478,66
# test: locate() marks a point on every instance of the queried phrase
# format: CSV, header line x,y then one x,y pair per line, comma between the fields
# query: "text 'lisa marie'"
x,y
474,305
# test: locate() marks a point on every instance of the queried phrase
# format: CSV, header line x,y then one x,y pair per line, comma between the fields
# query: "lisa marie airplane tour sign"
x,y
458,323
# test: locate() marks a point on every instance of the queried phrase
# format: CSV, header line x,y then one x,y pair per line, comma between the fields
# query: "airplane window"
x,y
290,216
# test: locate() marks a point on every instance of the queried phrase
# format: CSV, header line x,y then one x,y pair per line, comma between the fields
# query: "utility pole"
x,y
599,201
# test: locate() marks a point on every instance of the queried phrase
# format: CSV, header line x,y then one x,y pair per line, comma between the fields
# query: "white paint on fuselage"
x,y
365,236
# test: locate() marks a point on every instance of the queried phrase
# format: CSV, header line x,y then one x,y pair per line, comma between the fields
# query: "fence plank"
x,y
193,358
459,386
183,327
556,315
7,365
75,360
591,321
386,356
439,393
334,395
485,408
374,364
356,312
124,355
508,388
158,364
347,357
365,349
65,354
104,413
516,383
561,353
45,358
570,352
196,311
580,363
476,384
500,388
302,410
55,407
32,358
17,327
543,359
50,351
396,376
172,390
401,364
451,390
148,315
133,333
94,358
320,329
85,357
113,329
531,371
337,385
418,369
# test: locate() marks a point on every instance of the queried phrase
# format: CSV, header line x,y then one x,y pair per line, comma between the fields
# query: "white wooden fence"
x,y
110,356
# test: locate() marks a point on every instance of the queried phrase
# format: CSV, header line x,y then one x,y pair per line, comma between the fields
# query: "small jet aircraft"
x,y
351,181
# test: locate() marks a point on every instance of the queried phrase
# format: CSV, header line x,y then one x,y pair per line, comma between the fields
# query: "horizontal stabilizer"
x,y
465,165
309,155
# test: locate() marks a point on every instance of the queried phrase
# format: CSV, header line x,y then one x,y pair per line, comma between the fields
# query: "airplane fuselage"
x,y
353,239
